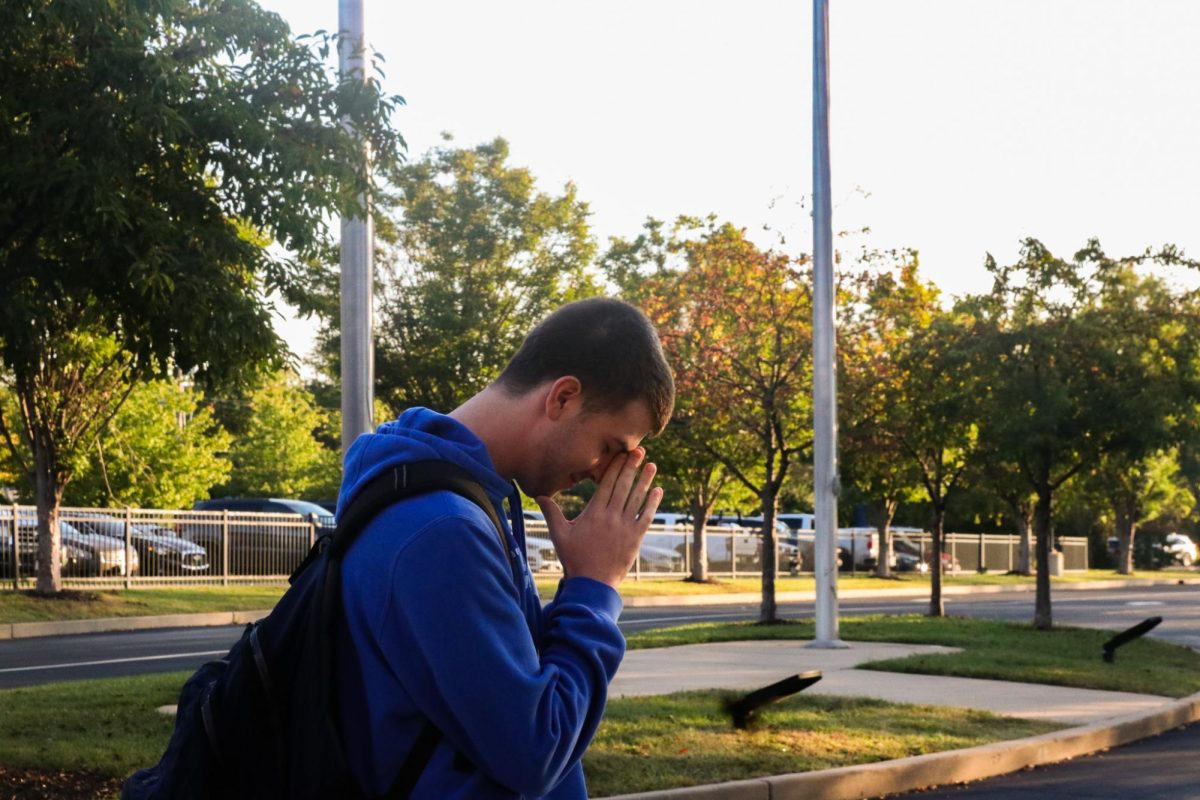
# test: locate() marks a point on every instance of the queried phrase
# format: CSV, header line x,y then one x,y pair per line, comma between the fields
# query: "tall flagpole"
x,y
825,474
357,257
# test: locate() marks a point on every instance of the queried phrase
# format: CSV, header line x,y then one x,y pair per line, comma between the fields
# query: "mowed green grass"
x,y
107,727
686,739
87,604
990,649
110,727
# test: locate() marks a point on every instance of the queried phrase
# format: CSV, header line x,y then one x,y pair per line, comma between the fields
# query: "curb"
x,y
936,769
27,630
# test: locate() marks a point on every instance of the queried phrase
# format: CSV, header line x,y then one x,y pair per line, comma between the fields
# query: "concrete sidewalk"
x,y
1099,720
750,665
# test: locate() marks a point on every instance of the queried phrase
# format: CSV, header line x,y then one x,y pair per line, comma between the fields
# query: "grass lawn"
x,y
95,731
685,739
75,604
990,649
100,731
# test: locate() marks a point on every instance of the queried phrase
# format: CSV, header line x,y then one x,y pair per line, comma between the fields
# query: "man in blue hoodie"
x,y
445,639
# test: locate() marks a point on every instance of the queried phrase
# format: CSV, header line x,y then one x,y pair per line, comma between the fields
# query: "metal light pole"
x,y
357,257
825,474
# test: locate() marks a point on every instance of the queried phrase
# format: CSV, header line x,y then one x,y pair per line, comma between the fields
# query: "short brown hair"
x,y
609,345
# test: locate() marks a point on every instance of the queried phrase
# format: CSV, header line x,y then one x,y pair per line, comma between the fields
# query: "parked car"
x,y
267,536
1179,549
798,521
911,557
659,559
540,555
654,558
160,551
790,556
83,555
1152,553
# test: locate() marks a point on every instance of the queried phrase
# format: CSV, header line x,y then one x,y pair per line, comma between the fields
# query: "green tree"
x,y
1077,359
162,449
740,335
278,453
146,150
892,306
1132,492
479,255
934,422
648,271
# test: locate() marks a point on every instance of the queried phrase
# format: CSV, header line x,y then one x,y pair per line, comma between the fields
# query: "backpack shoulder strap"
x,y
391,486
409,480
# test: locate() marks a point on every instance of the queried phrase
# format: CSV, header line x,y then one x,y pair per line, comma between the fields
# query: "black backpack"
x,y
262,721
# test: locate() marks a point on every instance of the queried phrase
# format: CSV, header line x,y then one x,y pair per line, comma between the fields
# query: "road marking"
x,y
1145,603
115,661
640,621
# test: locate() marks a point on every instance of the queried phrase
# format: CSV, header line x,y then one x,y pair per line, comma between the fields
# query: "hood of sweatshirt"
x,y
420,435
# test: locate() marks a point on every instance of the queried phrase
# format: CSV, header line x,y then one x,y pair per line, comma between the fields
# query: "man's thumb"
x,y
555,520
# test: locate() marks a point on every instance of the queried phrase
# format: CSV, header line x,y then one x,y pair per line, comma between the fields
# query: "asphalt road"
x,y
26,662
1162,768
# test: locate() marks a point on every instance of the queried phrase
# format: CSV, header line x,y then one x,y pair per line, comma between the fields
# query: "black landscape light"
x,y
742,710
1124,637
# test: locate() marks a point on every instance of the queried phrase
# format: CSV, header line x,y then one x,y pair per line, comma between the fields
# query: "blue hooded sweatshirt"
x,y
441,628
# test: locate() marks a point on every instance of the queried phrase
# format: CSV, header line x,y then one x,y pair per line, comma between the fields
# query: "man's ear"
x,y
565,393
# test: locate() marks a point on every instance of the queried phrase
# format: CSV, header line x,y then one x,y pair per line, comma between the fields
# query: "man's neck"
x,y
497,419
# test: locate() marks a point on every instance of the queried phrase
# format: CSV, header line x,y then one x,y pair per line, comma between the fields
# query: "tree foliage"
x,y
1081,359
278,454
479,254
736,321
146,151
648,271
891,306
162,449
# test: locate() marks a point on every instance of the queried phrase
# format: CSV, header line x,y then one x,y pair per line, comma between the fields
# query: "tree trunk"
x,y
1023,513
1042,618
699,512
883,522
936,607
768,611
1125,529
48,496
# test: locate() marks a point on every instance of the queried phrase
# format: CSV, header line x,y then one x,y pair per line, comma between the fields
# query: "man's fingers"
x,y
620,496
604,491
555,520
638,496
650,509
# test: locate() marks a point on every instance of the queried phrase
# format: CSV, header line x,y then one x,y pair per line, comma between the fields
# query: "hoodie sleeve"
x,y
455,633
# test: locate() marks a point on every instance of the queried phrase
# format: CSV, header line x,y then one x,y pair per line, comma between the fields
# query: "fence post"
x,y
225,547
128,547
953,550
312,530
982,555
854,552
16,549
733,553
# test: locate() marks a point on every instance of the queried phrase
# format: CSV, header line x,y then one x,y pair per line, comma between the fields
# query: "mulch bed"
x,y
33,784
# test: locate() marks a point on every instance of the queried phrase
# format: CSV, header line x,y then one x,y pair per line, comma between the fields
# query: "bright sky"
x,y
958,126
